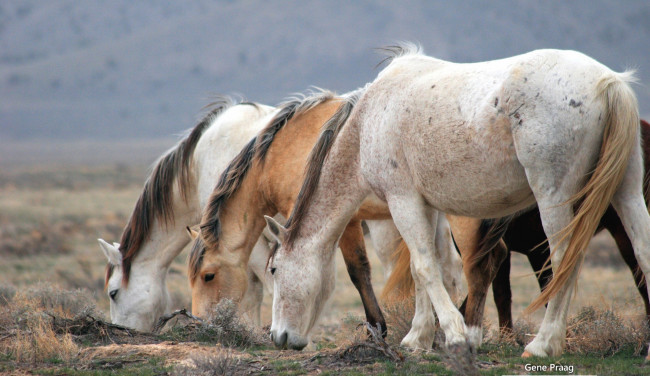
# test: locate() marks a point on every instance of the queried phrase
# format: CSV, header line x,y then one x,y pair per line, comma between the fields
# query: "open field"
x,y
50,218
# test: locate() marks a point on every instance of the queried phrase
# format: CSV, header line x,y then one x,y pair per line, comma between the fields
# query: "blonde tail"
x,y
399,285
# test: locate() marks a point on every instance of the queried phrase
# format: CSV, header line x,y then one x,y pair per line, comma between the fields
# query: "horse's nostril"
x,y
283,340
279,340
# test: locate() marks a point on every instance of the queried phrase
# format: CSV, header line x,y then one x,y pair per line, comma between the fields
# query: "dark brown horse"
x,y
525,234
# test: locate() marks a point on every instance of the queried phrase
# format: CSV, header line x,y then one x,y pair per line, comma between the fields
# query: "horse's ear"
x,y
111,252
277,230
192,233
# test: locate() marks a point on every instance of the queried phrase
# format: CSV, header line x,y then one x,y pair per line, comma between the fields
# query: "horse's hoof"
x,y
526,354
459,349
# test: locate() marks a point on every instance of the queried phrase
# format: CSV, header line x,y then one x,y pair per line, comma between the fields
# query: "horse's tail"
x,y
490,232
621,127
400,284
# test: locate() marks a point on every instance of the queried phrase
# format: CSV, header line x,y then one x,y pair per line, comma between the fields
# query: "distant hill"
x,y
126,69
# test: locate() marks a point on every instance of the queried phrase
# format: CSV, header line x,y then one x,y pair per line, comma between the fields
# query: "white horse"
x,y
172,198
480,140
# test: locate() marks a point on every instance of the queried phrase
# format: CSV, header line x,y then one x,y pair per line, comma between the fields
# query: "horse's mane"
x,y
233,176
398,50
156,201
195,259
315,162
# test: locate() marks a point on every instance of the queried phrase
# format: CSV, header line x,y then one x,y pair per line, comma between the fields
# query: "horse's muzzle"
x,y
284,341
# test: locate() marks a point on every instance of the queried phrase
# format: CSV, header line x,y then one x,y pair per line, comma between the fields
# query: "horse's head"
x,y
214,275
303,280
139,303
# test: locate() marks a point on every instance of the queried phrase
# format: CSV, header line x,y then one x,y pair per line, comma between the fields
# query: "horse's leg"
x,y
422,331
423,325
479,272
452,273
550,337
615,227
385,239
631,208
251,303
354,253
503,295
417,223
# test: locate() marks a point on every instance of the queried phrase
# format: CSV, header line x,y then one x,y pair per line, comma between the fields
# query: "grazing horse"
x,y
173,196
264,179
483,140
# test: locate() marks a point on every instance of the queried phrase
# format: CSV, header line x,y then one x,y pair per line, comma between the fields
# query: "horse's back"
x,y
466,118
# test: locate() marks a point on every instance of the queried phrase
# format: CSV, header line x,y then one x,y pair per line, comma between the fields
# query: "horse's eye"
x,y
272,271
113,293
208,277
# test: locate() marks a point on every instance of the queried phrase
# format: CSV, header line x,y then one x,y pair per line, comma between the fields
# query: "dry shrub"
x,y
221,363
30,239
399,315
7,293
80,275
367,346
603,332
224,326
523,331
63,303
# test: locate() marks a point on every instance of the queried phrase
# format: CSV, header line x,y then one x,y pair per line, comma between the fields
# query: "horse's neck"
x,y
340,192
242,218
167,241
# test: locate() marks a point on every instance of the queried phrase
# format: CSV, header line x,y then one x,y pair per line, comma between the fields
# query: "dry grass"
x,y
220,363
26,326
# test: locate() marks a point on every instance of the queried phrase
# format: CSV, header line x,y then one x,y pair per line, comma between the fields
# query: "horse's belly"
x,y
490,194
461,177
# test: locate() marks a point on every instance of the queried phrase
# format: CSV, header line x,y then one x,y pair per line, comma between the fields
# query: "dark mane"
x,y
315,163
155,201
256,150
195,259
645,146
